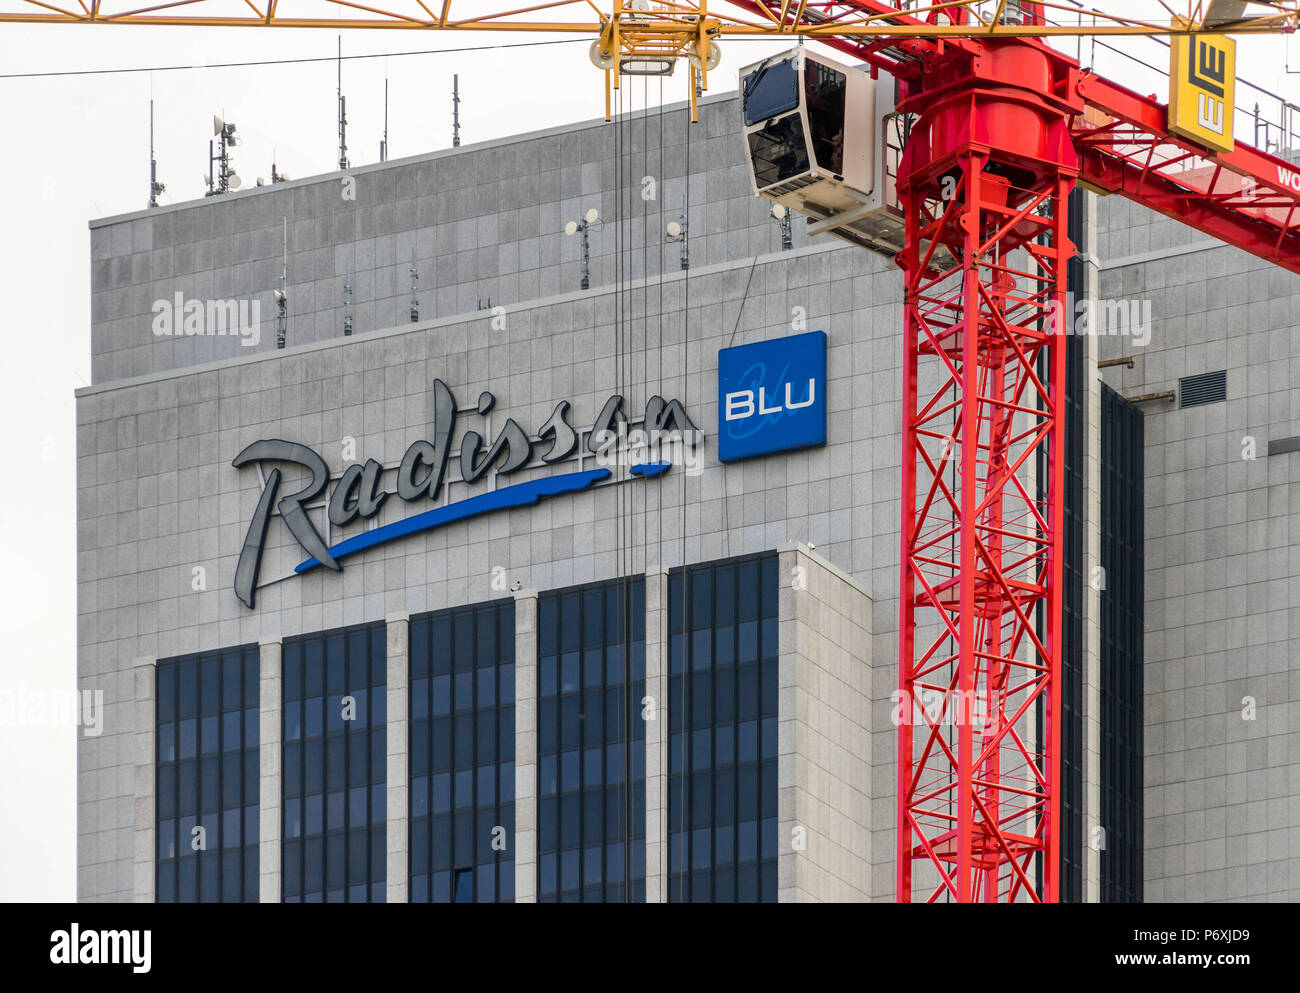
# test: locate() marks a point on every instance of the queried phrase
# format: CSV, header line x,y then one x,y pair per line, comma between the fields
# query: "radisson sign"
x,y
422,474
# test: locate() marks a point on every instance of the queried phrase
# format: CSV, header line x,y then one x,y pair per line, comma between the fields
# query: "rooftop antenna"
x,y
347,301
455,110
343,114
276,175
281,297
155,187
225,179
383,145
415,304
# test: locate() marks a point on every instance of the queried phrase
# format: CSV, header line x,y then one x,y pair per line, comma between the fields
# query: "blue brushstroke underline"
x,y
518,495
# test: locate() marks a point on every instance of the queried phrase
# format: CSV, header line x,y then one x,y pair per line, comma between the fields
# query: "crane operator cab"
x,y
824,139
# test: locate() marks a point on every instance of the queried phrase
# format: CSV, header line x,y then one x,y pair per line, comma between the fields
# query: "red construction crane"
x,y
1001,127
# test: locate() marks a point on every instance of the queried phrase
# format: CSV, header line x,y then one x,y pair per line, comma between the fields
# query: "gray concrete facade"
x,y
271,772
824,834
397,740
1222,738
525,840
485,222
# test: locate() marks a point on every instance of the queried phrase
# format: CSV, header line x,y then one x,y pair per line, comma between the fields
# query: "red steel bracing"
x,y
980,547
984,184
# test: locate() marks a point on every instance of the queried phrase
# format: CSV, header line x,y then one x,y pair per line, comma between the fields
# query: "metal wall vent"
x,y
1208,387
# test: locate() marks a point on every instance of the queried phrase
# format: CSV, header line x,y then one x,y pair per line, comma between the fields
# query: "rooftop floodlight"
x,y
675,232
781,214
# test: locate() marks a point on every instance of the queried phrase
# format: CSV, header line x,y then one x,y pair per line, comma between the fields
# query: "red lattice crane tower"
x,y
1002,127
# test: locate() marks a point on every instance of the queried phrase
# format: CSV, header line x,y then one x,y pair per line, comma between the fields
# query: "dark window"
x,y
1122,617
335,806
824,90
722,721
778,151
591,743
462,755
207,777
771,89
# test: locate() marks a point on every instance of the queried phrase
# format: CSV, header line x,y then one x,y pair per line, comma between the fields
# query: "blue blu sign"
x,y
772,396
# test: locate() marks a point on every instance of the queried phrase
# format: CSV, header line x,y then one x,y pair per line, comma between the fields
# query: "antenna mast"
x,y
347,301
226,178
415,303
155,187
455,110
383,145
281,297
343,113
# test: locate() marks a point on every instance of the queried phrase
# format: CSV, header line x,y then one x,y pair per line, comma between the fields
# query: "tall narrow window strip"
x,y
1122,622
334,811
722,722
462,755
206,777
591,743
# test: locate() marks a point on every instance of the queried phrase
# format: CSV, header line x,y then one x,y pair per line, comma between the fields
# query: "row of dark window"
x,y
334,814
591,744
206,777
591,755
462,755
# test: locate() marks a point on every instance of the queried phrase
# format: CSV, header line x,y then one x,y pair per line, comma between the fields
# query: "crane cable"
x,y
685,675
620,150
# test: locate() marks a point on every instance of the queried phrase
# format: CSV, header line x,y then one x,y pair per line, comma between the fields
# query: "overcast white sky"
x,y
76,147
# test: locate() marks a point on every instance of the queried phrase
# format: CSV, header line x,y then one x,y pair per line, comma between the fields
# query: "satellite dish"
x,y
674,229
591,216
261,181
779,211
234,182
217,125
571,228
